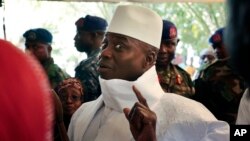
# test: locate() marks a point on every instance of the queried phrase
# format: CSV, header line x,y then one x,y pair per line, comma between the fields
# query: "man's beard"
x,y
83,47
170,57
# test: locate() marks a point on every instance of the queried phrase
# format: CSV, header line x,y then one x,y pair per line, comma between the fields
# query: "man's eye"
x,y
36,47
118,47
171,44
103,46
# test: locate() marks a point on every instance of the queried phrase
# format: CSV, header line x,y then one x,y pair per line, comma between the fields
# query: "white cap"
x,y
207,51
137,22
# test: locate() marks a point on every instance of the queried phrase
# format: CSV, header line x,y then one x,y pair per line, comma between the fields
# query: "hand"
x,y
142,120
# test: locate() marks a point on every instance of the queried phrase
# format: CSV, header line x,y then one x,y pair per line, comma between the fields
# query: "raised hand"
x,y
141,119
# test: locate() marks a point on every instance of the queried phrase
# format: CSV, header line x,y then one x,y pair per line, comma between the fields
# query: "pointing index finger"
x,y
139,96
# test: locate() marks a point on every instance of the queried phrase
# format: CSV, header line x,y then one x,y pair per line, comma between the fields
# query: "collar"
x,y
118,93
166,68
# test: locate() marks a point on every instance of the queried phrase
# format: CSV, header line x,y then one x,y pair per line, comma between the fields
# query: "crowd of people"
x,y
127,88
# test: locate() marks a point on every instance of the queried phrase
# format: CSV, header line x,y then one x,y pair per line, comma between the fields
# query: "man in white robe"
x,y
128,59
243,117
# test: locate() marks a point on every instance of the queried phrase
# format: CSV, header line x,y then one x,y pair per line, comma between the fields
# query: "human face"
x,y
71,100
207,59
167,52
40,50
122,58
220,51
83,41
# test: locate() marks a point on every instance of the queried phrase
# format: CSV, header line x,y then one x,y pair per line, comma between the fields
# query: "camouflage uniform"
x,y
220,90
86,71
174,79
54,72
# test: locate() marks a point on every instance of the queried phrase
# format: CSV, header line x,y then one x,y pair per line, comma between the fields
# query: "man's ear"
x,y
151,57
178,40
49,48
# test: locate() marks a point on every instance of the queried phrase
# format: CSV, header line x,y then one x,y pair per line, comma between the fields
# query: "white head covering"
x,y
207,51
137,22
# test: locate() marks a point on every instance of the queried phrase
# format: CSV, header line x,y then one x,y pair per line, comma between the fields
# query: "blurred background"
x,y
195,21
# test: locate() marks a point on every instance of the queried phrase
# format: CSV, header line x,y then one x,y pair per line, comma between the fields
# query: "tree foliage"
x,y
195,21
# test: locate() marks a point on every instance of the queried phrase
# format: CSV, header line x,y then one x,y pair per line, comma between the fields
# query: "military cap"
x,y
38,34
217,37
169,30
91,23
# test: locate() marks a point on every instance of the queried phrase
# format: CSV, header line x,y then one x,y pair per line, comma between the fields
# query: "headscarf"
x,y
70,82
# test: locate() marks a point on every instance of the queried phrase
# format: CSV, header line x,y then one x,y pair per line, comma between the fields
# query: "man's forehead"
x,y
82,31
175,40
217,45
115,36
207,55
34,43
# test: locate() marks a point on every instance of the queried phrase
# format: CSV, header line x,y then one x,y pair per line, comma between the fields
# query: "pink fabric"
x,y
26,111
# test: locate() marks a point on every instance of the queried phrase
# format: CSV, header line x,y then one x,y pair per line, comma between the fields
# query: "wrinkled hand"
x,y
142,120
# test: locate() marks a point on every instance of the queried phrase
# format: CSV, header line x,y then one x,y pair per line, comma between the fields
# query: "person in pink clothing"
x,y
26,103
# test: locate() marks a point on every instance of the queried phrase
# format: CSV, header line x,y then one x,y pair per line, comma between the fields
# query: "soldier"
x,y
173,79
38,43
88,39
220,88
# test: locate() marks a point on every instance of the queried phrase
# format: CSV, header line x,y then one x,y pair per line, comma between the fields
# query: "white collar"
x,y
118,93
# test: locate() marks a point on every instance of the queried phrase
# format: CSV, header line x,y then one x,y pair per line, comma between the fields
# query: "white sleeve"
x,y
244,110
197,131
73,122
217,131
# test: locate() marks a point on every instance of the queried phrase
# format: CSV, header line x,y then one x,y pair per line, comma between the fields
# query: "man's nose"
x,y
106,53
163,49
76,37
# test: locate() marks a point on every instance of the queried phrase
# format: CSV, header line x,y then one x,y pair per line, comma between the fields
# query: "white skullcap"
x,y
137,22
207,51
